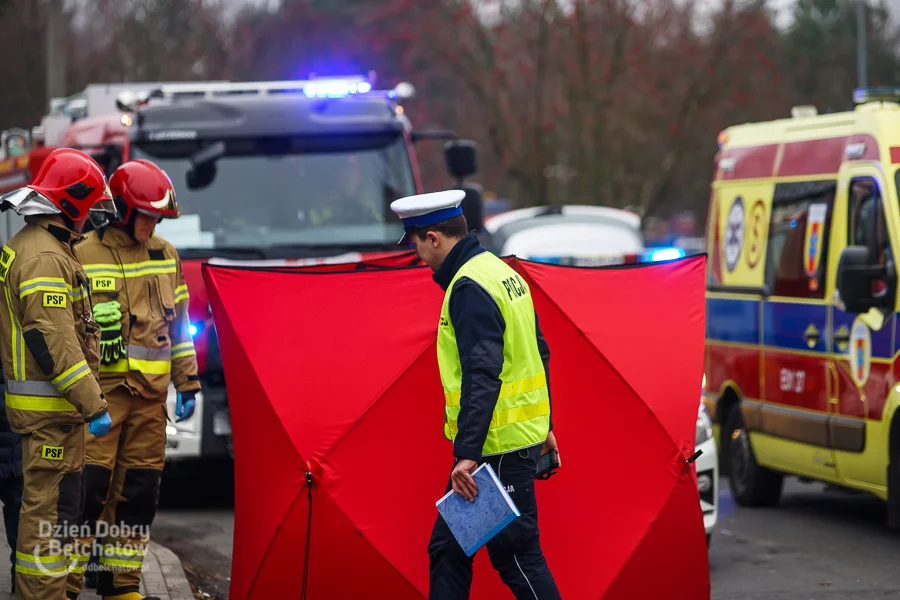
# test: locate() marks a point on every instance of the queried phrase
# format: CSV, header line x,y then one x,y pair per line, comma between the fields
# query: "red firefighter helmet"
x,y
139,185
69,182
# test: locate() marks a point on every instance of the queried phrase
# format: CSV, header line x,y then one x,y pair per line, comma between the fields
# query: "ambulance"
x,y
801,370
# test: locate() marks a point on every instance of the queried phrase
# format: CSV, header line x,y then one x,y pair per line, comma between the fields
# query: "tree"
x,y
22,34
579,102
148,40
821,53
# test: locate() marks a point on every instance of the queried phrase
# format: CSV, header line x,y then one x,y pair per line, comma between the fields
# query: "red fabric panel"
x,y
351,375
661,559
649,323
401,433
342,563
267,470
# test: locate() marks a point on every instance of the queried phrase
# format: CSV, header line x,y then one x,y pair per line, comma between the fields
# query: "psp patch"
x,y
7,256
52,452
103,284
54,300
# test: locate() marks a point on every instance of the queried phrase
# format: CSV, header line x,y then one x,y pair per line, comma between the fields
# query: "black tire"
x,y
893,486
751,484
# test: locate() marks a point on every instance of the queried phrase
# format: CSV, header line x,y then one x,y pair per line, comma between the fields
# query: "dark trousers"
x,y
515,552
11,497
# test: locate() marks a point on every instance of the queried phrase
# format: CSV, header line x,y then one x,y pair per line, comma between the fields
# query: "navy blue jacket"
x,y
479,327
10,445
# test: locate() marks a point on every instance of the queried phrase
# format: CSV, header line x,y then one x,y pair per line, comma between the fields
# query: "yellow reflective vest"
x,y
146,280
521,416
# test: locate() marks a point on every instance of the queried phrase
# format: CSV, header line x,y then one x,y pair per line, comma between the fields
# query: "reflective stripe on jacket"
x,y
49,342
521,416
146,281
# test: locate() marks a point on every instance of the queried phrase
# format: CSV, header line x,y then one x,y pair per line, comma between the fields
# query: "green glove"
x,y
108,316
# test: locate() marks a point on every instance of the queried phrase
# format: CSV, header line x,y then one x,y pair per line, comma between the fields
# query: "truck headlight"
x,y
704,426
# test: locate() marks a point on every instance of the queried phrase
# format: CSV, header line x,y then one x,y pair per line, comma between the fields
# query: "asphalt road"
x,y
817,544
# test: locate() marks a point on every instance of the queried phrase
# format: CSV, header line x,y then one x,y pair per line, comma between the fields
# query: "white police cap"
x,y
423,210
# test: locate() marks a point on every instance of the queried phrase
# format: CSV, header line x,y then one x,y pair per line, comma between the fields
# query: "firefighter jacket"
x,y
147,282
49,342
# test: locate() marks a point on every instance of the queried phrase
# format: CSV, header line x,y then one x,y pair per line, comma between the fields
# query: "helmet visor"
x,y
102,212
104,206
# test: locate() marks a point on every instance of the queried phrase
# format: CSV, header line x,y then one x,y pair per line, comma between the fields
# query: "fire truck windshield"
x,y
284,192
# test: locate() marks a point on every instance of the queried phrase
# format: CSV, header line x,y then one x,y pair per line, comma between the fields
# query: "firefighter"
x,y
493,363
50,354
140,301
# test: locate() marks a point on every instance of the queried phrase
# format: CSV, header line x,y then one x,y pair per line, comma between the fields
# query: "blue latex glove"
x,y
184,406
100,427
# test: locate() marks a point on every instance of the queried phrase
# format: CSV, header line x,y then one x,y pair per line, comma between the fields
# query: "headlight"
x,y
704,426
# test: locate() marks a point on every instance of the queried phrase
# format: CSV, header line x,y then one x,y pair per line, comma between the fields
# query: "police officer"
x,y
140,301
49,344
493,362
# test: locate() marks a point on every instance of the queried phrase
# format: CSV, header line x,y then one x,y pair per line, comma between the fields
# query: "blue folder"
x,y
473,524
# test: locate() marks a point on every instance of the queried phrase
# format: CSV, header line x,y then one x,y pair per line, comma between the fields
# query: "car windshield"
x,y
284,192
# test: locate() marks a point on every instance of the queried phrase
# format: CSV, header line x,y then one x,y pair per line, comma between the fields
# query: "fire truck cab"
x,y
801,370
267,173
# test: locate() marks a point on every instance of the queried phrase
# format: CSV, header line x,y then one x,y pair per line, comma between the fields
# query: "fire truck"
x,y
266,173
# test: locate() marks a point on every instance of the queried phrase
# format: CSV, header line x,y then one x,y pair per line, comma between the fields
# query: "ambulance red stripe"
x,y
813,157
752,162
731,365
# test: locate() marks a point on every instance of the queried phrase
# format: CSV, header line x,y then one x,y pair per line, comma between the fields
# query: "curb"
x,y
175,580
164,577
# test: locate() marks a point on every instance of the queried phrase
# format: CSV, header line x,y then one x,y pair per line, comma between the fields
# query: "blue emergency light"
x,y
876,94
336,88
666,254
192,329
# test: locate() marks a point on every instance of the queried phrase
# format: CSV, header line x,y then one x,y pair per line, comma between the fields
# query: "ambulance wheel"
x,y
751,484
893,500
893,484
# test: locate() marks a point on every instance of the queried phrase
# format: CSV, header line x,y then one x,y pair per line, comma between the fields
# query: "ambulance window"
x,y
866,224
798,239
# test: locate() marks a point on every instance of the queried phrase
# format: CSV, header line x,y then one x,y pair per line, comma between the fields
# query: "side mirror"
x,y
856,279
126,101
201,176
203,166
473,206
462,158
16,142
